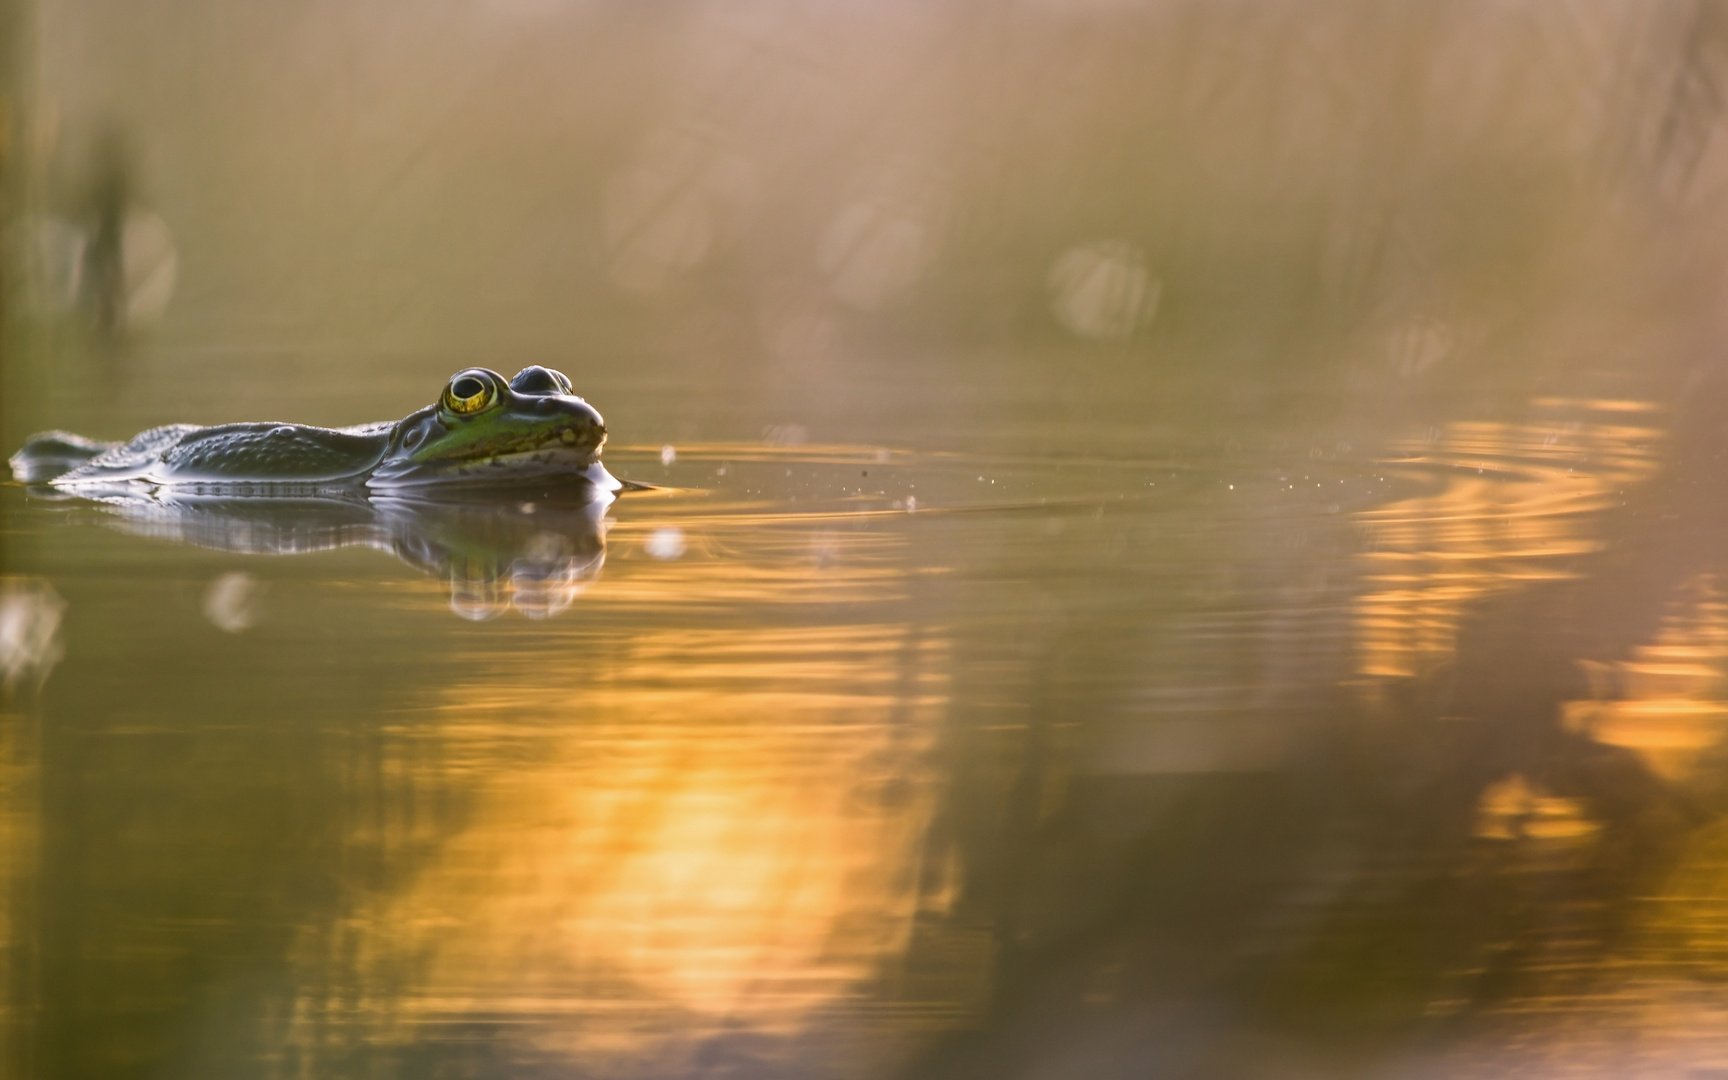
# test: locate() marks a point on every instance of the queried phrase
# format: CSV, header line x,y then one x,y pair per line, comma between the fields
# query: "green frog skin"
x,y
482,430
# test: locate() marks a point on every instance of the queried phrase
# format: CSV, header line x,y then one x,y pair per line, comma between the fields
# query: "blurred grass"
x,y
1300,181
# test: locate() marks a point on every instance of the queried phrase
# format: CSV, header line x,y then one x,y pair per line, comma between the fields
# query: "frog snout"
x,y
575,412
578,423
588,418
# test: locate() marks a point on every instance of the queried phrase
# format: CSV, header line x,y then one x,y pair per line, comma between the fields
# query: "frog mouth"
x,y
586,439
547,450
555,452
563,438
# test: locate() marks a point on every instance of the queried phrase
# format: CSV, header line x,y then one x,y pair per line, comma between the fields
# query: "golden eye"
x,y
468,393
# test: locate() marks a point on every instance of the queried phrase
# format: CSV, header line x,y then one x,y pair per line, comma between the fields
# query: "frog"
x,y
482,430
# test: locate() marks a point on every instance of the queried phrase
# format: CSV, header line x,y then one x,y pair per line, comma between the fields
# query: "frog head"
x,y
484,428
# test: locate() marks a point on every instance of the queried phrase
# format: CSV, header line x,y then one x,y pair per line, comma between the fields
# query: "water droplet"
x,y
665,543
233,601
30,613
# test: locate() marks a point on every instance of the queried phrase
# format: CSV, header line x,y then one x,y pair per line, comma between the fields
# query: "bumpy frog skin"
x,y
481,430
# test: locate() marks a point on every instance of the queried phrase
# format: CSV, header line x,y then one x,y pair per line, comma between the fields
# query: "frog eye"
x,y
469,393
539,380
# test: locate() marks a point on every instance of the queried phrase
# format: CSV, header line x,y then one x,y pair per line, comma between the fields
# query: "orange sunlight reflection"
x,y
1516,500
1520,496
671,836
1515,497
1666,701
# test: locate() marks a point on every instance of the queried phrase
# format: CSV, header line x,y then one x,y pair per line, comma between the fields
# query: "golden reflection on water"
x,y
1516,496
697,831
1516,809
1517,499
1655,1009
1667,700
831,562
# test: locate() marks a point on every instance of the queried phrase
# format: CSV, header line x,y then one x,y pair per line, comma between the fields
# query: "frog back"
x,y
279,453
255,453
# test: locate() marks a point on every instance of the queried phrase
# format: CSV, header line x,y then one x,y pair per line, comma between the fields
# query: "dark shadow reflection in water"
x,y
531,547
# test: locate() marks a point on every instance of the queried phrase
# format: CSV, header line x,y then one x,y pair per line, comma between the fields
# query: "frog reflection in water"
x,y
497,487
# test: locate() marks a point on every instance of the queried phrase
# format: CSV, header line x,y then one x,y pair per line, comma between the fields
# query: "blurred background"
x,y
1189,541
1346,215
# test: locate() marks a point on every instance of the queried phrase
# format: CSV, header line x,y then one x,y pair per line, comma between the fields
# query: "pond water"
x,y
878,759
1178,540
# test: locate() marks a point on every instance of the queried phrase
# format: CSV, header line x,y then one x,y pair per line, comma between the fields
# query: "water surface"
x,y
862,760
1186,541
